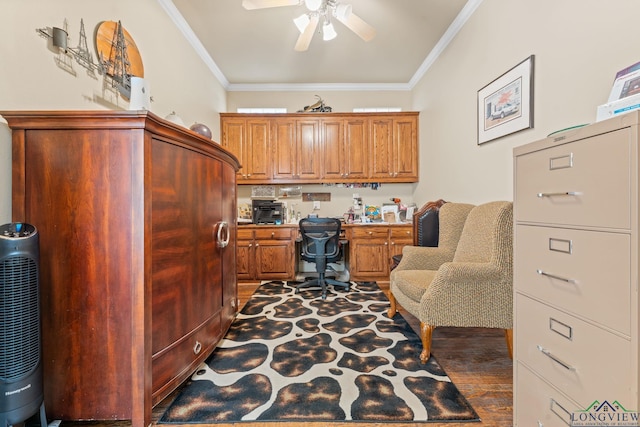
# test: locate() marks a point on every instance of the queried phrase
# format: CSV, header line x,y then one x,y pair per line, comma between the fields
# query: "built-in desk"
x,y
267,252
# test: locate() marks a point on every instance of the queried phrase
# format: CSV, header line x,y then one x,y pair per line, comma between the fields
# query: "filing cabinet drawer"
x,y
539,404
584,272
580,359
584,183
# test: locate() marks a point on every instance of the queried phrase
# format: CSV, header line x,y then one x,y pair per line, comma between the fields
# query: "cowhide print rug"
x,y
297,357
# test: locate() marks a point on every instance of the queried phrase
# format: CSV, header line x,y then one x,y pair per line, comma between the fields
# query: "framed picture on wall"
x,y
505,105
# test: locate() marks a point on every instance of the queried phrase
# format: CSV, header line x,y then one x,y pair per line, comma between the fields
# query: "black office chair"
x,y
321,245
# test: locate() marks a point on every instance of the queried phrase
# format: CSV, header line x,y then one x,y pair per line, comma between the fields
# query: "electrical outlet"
x,y
316,205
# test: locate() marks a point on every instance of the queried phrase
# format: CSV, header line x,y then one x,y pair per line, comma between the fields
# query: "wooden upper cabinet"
x,y
333,161
259,150
381,148
250,141
283,142
405,151
323,147
346,149
308,150
394,151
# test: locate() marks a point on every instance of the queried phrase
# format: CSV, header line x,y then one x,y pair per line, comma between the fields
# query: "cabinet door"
x,y
308,149
274,253
283,136
245,255
356,148
399,237
333,146
274,259
369,253
405,150
258,151
234,137
381,148
186,261
229,263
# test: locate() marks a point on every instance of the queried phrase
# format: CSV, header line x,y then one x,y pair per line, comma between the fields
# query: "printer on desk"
x,y
266,212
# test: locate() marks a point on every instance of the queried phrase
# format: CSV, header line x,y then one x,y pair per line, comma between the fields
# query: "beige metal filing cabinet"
x,y
576,272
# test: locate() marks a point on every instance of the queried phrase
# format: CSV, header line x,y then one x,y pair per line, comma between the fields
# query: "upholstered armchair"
x,y
467,280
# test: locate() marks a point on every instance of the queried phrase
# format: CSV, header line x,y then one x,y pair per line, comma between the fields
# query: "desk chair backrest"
x,y
313,228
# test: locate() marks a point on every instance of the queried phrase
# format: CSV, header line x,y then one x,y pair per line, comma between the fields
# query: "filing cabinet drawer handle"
x,y
565,193
555,358
564,415
553,276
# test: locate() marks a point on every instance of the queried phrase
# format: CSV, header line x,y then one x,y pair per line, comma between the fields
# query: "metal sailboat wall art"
x,y
117,66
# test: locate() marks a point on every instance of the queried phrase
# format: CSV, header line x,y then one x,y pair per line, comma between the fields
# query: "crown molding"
x,y
444,41
195,42
305,87
431,58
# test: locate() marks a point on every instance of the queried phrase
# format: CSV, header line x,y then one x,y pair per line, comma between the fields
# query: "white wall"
x,y
31,80
339,101
579,45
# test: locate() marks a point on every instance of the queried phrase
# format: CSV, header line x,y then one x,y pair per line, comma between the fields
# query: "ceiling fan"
x,y
318,10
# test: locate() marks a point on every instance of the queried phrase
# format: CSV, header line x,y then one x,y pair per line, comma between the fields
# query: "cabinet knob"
x,y
197,348
273,234
370,233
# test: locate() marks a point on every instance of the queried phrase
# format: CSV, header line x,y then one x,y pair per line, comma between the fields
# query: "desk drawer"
x,y
539,404
273,233
369,231
580,359
245,233
585,272
404,233
581,183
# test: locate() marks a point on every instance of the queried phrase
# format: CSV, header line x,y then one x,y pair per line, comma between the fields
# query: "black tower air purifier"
x,y
21,390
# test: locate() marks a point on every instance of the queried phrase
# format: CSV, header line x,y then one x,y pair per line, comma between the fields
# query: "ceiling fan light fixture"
x,y
313,5
328,32
343,11
301,22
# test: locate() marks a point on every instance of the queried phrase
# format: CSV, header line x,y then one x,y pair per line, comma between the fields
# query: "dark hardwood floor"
x,y
475,359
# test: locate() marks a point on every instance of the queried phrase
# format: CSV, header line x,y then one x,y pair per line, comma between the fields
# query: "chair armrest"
x,y
469,294
469,273
423,258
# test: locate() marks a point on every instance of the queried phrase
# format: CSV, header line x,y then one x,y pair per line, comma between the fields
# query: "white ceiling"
x,y
253,49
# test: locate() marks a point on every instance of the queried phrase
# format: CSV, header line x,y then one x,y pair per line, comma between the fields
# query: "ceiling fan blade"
x,y
365,31
305,37
263,4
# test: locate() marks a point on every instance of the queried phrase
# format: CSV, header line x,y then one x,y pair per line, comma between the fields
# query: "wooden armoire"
x,y
137,224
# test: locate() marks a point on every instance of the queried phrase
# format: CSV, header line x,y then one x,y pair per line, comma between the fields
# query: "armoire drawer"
x,y
585,183
179,357
572,354
584,272
539,404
